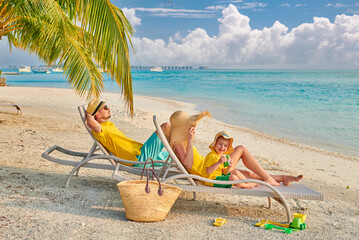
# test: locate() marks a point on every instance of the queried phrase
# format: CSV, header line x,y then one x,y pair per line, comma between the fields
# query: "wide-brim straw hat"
x,y
94,106
181,122
225,135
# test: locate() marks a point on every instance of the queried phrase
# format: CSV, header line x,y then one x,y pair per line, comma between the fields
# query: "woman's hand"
x,y
185,153
191,133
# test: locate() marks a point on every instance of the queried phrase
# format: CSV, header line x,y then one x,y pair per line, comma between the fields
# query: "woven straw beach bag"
x,y
147,201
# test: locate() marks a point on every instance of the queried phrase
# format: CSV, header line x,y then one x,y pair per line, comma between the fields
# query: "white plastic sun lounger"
x,y
114,162
11,104
280,193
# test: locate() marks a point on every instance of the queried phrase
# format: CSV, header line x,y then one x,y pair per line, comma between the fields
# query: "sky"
x,y
236,34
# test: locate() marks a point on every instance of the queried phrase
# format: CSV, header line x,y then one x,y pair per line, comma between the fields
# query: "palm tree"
x,y
78,35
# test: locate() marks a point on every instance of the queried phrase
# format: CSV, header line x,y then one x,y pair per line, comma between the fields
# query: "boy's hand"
x,y
222,159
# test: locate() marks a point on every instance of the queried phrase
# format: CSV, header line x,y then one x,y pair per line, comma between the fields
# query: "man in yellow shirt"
x,y
115,141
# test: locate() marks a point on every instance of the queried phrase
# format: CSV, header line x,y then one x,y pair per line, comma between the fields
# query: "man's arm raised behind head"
x,y
92,123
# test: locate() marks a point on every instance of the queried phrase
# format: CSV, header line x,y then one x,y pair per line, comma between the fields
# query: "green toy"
x,y
298,221
285,230
227,163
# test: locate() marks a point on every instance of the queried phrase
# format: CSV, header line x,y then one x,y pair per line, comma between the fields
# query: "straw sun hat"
x,y
94,106
225,135
181,122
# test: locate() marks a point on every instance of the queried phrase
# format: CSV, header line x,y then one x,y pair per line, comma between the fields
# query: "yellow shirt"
x,y
197,163
211,159
117,143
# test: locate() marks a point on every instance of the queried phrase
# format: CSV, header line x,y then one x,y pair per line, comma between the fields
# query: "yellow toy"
x,y
219,222
301,216
267,221
298,221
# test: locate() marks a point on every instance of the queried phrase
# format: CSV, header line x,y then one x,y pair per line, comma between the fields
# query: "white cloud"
x,y
230,1
131,16
217,7
284,5
349,8
337,5
320,44
252,5
182,13
177,36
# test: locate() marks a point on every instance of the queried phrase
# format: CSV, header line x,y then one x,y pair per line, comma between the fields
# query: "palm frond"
x,y
111,33
49,28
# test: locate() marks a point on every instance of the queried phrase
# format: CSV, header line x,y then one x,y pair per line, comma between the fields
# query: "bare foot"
x,y
289,179
272,182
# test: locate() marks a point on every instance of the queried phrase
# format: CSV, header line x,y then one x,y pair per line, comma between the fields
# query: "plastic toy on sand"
x,y
285,230
267,221
219,222
298,221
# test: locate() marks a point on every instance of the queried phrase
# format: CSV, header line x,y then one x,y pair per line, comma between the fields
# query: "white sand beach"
x,y
35,205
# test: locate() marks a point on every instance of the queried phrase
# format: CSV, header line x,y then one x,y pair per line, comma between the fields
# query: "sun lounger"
x,y
86,159
280,193
11,104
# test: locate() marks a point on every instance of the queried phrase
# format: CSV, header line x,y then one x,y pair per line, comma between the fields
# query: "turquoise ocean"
x,y
314,107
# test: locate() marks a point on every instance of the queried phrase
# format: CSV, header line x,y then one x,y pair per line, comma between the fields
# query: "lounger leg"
x,y
69,179
78,166
194,196
279,201
18,109
76,169
90,154
164,169
285,205
269,203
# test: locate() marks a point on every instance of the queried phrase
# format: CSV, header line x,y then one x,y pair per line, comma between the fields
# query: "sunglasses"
x,y
106,107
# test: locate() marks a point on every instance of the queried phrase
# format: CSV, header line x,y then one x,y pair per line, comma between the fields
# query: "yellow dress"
x,y
197,166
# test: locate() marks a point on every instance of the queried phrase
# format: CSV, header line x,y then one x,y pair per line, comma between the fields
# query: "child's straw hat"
x,y
181,122
225,135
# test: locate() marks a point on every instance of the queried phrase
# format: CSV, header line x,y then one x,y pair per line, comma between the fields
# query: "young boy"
x,y
214,167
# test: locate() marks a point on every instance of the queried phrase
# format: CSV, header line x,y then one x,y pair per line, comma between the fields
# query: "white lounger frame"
x,y
4,103
280,193
115,162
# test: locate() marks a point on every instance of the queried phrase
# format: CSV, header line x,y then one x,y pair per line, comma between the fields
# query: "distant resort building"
x,y
163,67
